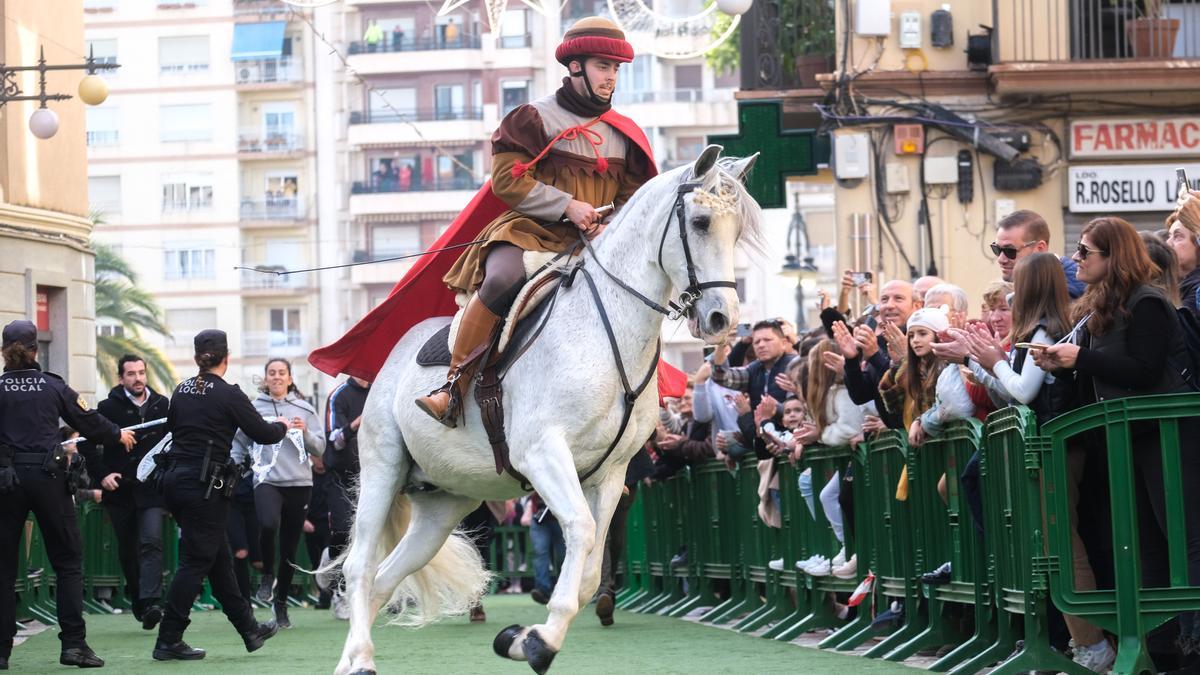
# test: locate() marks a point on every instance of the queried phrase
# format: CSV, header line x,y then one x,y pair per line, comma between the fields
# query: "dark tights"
x,y
503,277
281,509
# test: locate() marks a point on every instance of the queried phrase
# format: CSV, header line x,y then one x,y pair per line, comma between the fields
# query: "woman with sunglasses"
x,y
1127,342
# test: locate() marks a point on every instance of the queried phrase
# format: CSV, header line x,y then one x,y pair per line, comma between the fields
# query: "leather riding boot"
x,y
474,329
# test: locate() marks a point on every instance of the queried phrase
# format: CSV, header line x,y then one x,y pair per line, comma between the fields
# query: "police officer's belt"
x,y
29,458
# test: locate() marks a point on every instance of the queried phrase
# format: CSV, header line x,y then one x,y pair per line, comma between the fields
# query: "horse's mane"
x,y
719,182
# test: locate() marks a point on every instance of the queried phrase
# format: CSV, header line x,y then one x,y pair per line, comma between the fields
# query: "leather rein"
x,y
683,306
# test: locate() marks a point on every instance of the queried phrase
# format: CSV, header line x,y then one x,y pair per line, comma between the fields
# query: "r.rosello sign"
x,y
1129,187
1155,137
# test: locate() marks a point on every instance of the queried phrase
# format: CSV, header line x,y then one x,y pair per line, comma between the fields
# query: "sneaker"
x,y
265,588
151,617
339,607
839,559
801,564
81,657
776,564
1097,658
281,616
889,618
938,577
821,568
178,651
849,570
259,635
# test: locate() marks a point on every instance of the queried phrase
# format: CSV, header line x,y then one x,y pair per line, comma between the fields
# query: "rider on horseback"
x,y
554,162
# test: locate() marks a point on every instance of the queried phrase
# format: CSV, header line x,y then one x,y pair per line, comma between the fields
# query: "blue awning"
x,y
258,40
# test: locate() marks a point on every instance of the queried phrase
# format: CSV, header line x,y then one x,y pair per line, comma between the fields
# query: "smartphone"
x,y
708,350
1182,186
1030,345
743,330
861,278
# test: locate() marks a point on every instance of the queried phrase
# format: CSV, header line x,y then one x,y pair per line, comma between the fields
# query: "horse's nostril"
x,y
717,322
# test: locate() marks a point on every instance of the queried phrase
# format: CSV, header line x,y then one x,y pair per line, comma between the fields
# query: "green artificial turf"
x,y
635,644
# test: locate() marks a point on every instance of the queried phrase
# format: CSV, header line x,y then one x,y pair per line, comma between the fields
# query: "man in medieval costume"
x,y
555,161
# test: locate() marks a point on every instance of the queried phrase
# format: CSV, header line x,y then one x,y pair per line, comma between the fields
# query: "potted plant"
x,y
807,39
1150,35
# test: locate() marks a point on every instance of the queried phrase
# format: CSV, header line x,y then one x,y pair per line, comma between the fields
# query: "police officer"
x,y
33,478
197,484
135,508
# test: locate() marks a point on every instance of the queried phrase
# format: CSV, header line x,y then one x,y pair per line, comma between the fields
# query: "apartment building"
x,y
202,160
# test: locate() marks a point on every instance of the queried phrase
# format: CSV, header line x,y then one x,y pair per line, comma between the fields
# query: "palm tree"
x,y
132,309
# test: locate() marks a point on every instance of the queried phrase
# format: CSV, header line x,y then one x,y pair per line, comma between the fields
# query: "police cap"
x,y
21,332
211,340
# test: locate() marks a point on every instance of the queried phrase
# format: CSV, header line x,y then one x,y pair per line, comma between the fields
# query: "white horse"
x,y
564,404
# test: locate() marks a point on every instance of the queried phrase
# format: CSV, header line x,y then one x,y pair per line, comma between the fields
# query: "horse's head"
x,y
712,210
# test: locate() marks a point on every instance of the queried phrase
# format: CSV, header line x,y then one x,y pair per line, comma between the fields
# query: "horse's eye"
x,y
701,222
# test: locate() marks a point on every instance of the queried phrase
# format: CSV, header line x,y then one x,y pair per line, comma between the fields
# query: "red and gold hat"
x,y
594,36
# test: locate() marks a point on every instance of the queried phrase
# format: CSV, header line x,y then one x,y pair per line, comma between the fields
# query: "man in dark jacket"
x,y
136,509
344,410
772,359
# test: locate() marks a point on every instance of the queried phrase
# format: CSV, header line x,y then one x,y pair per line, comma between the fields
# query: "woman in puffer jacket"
x,y
282,478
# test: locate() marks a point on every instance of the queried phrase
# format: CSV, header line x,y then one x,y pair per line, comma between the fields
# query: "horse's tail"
x,y
450,584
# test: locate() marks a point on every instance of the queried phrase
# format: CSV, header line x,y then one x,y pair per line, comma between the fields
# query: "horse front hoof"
x,y
538,653
504,640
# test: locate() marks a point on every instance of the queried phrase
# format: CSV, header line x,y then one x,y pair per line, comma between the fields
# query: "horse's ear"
x,y
706,161
741,168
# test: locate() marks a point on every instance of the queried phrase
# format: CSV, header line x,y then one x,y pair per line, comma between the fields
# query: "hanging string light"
x,y
676,37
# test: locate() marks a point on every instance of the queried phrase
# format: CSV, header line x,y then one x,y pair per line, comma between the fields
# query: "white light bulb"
x,y
43,123
734,7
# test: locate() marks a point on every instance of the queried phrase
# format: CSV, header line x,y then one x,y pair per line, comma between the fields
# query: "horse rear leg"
x,y
453,580
553,476
380,520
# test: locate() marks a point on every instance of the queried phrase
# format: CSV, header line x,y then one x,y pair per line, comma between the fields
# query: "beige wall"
x,y
44,229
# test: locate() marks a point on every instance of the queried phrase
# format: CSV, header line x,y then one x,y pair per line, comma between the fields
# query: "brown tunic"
x,y
538,198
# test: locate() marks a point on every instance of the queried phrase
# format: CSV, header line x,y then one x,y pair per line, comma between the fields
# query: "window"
x,y
448,101
285,328
688,82
103,127
688,148
514,31
392,240
183,54
403,101
104,194
185,122
107,330
189,263
512,94
104,51
187,192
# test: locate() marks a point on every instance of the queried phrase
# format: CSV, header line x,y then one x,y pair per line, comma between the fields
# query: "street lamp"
x,y
799,263
43,123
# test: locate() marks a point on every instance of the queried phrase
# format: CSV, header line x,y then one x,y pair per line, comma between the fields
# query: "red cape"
x,y
421,295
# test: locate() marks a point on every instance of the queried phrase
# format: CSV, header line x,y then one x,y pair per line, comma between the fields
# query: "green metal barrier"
x,y
740,516
636,584
101,562
1131,610
510,555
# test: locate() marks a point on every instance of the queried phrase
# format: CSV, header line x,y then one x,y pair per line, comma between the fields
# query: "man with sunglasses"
x,y
1023,232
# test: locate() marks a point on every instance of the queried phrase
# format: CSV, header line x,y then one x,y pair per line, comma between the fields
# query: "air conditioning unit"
x,y
248,73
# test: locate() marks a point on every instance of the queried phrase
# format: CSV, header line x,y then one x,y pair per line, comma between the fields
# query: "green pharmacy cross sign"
x,y
785,152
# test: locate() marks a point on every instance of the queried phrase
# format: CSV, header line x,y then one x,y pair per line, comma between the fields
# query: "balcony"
x,y
390,197
783,45
273,208
1071,46
438,126
417,55
283,70
252,10
103,139
677,107
266,143
262,283
273,343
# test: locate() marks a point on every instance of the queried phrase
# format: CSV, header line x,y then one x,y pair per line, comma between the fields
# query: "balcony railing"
x,y
182,68
273,343
272,208
408,44
253,7
100,139
387,185
516,41
267,141
1088,30
258,281
673,96
266,71
435,115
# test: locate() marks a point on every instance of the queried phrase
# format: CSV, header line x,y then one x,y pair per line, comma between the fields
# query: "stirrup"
x,y
449,418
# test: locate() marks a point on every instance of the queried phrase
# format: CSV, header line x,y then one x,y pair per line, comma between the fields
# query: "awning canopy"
x,y
258,40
